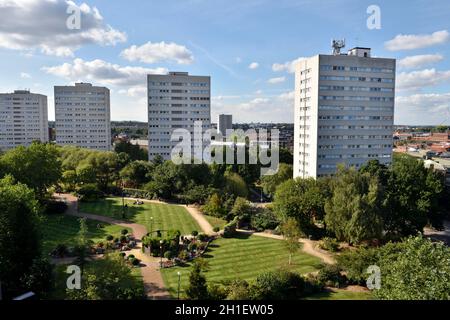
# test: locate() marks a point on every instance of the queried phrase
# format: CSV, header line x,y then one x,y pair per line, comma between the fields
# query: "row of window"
x,y
383,118
354,146
350,88
353,108
356,69
179,84
354,98
353,156
355,137
360,79
178,91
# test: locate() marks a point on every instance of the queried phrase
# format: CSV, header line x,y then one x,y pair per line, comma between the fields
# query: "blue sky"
x,y
120,41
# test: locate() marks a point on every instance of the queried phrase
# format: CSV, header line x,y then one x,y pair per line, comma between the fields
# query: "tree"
x,y
82,247
290,231
134,152
136,173
37,166
235,185
353,213
214,206
19,235
301,199
416,269
197,289
413,195
270,183
242,209
108,279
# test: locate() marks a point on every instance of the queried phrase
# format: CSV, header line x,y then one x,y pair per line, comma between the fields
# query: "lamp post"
x,y
179,282
161,251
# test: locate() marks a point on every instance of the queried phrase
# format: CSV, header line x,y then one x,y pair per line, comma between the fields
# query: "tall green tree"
x,y
134,152
197,288
353,213
270,183
20,238
290,231
37,166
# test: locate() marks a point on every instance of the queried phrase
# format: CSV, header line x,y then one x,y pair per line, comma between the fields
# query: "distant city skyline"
x,y
247,47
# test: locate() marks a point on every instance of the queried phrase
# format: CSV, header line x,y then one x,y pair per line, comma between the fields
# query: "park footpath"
x,y
150,270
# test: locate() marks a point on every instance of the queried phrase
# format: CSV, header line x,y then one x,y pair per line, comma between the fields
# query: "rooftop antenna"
x,y
337,45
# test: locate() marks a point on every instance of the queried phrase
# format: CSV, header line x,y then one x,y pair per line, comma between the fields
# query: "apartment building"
x,y
176,101
23,119
82,116
344,111
224,123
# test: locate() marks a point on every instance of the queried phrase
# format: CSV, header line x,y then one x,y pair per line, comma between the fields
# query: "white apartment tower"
x,y
82,116
176,101
23,119
224,123
344,111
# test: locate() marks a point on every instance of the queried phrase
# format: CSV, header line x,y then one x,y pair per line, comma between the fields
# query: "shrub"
x,y
122,254
109,237
123,239
330,275
194,233
183,255
264,219
355,264
124,232
329,244
278,285
168,255
131,256
89,192
55,207
135,262
216,229
202,237
230,229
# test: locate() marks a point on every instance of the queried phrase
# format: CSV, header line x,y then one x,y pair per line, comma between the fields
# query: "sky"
x,y
248,47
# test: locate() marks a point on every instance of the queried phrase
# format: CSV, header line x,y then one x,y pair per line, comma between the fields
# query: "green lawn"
x,y
165,216
341,295
216,222
62,229
244,258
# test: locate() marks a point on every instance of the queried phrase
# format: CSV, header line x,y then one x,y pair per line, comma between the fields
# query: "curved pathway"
x,y
151,275
309,246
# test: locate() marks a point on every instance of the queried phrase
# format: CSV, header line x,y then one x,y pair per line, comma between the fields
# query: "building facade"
x,y
344,112
224,123
82,116
23,119
176,101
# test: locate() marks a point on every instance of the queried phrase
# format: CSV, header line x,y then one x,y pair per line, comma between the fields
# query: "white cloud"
x,y
278,108
413,41
416,80
423,109
25,75
288,66
253,65
418,61
276,80
159,52
41,24
103,72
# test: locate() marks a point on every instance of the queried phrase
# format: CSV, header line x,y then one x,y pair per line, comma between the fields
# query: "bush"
x,y
329,244
123,239
264,219
124,232
202,237
183,255
355,264
278,285
330,275
135,262
131,256
216,229
89,192
194,233
122,254
55,207
109,237
168,255
230,229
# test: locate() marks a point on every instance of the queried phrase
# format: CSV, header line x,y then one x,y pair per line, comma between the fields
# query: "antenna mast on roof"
x,y
337,45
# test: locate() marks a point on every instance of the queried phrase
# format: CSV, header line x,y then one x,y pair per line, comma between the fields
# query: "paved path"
x,y
309,246
151,275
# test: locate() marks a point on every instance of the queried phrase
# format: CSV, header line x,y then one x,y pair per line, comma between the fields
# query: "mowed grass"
x,y
165,216
63,229
340,294
242,258
216,222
